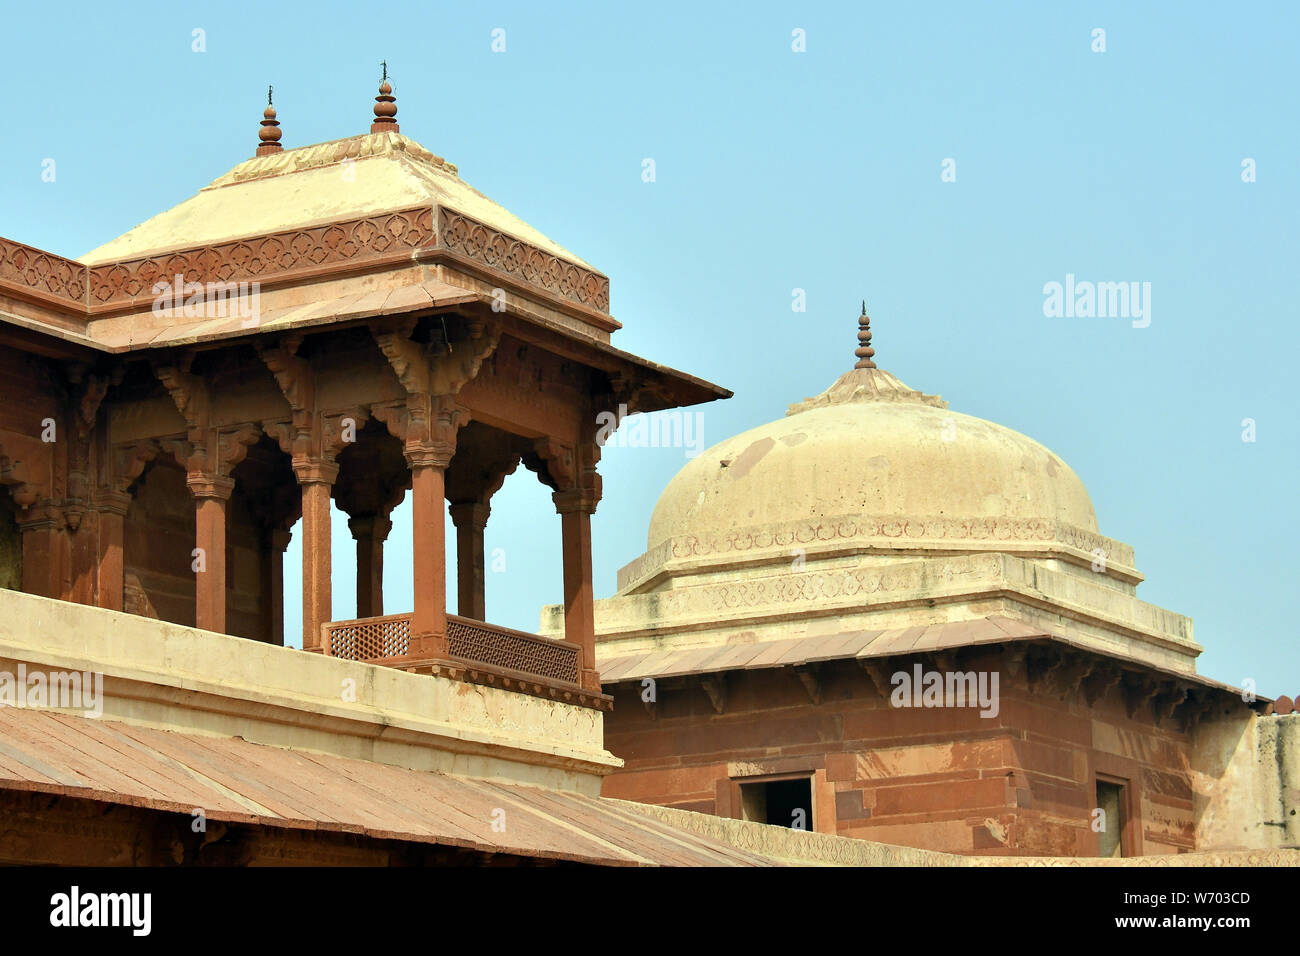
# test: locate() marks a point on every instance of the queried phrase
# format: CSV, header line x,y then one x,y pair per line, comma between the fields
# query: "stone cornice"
x,y
804,595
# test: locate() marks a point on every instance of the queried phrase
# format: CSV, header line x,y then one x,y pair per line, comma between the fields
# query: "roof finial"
x,y
864,351
385,106
269,134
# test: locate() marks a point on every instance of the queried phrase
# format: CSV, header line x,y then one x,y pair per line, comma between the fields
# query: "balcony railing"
x,y
510,653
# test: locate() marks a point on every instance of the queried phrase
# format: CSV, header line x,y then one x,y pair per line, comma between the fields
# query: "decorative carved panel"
x,y
42,271
522,261
280,254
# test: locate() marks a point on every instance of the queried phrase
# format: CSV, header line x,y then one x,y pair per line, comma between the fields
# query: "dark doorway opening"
x,y
1110,800
782,803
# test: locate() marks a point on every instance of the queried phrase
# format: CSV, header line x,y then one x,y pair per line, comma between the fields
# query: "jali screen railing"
x,y
376,639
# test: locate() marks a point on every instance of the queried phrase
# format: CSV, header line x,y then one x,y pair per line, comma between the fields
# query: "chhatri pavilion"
x,y
350,322
408,335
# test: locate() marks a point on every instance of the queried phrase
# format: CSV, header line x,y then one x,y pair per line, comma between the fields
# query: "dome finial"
x,y
864,351
385,106
269,134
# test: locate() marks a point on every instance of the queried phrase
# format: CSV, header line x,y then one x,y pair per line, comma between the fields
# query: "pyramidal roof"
x,y
348,178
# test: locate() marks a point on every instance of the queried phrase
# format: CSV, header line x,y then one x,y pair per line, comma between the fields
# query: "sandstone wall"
x,y
1020,783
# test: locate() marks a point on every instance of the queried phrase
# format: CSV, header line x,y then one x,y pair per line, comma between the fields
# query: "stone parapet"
x,y
168,676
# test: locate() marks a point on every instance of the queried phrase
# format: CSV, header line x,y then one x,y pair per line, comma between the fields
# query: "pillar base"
x,y
429,647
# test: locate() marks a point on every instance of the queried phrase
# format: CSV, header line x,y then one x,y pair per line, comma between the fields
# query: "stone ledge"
x,y
181,678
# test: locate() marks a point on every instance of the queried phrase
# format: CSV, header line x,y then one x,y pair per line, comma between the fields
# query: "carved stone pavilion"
x,y
410,335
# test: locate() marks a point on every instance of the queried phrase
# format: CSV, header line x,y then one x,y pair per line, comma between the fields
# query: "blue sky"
x,y
819,170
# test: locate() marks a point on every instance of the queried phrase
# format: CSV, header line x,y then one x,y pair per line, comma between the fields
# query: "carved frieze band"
x,y
42,271
283,254
522,261
897,532
279,254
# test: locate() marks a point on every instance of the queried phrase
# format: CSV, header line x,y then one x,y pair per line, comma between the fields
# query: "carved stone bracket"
x,y
209,452
577,483
129,462
1099,682
23,487
1168,698
811,682
715,685
1138,688
636,391
426,425
878,671
435,367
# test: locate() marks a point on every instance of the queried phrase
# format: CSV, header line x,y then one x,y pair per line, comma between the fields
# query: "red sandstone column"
x,y
45,552
111,567
211,495
579,607
429,622
470,518
370,532
83,555
316,480
279,542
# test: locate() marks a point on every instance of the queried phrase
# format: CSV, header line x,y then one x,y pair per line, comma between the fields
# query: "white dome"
x,y
870,446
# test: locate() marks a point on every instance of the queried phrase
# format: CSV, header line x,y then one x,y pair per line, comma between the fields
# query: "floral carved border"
x,y
42,271
130,282
924,530
279,254
521,260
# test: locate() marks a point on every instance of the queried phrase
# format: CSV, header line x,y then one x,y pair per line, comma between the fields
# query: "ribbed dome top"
x,y
869,445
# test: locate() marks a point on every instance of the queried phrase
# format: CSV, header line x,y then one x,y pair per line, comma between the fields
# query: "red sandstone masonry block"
x,y
948,836
664,784
1051,721
954,795
849,806
1070,800
841,766
1177,786
887,722
1045,759
651,745
756,735
1038,834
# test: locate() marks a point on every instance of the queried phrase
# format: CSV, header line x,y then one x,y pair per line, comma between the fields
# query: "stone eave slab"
x,y
860,645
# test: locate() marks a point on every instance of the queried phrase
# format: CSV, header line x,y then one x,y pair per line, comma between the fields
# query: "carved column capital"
x,y
109,501
42,516
470,514
315,471
575,500
374,527
279,539
577,482
210,486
